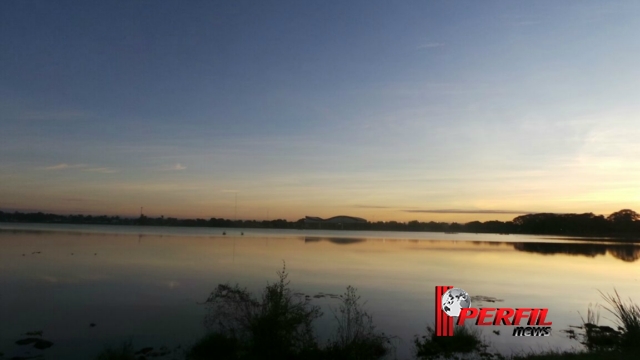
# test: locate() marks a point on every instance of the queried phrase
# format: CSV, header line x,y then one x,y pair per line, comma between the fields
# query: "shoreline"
x,y
555,237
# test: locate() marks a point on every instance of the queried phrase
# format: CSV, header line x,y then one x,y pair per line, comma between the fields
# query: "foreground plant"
x,y
279,325
597,338
628,318
605,340
465,342
356,337
276,326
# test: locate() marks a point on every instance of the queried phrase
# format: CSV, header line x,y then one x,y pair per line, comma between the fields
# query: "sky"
x,y
425,110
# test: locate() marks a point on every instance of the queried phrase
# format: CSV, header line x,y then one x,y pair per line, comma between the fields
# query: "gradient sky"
x,y
427,110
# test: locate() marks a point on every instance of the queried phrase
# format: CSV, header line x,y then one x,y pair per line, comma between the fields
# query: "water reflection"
x,y
150,289
335,240
624,252
628,253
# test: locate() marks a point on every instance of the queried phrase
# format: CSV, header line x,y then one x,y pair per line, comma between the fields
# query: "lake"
x,y
146,283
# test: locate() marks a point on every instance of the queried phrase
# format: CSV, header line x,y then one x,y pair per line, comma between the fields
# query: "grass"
x,y
626,338
628,318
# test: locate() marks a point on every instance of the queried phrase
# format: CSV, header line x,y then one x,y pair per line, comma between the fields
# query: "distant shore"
x,y
623,225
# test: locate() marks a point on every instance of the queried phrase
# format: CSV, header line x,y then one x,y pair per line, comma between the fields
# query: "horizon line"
x,y
436,211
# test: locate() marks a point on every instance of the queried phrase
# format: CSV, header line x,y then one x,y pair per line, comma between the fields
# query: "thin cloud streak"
x,y
462,211
102,170
65,166
83,167
371,207
429,45
176,167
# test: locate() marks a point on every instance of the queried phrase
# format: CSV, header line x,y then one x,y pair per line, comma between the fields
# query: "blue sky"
x,y
383,110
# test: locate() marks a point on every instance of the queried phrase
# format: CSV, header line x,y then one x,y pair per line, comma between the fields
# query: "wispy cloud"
x,y
102,170
64,166
371,207
429,45
468,211
82,167
176,167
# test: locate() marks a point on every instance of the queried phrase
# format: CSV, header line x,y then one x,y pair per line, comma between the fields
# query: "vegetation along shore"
x,y
623,225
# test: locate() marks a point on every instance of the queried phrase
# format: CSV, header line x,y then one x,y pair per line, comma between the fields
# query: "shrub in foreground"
x,y
279,325
628,318
222,346
276,326
605,339
356,336
464,342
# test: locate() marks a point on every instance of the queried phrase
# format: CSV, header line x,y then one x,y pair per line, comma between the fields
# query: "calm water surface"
x,y
145,283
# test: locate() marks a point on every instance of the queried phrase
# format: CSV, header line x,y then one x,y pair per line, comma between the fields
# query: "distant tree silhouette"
x,y
623,223
625,220
624,216
548,223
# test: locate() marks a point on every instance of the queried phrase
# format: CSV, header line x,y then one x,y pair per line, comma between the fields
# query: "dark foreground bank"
x,y
278,324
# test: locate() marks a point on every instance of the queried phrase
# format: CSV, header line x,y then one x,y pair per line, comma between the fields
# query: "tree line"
x,y
625,223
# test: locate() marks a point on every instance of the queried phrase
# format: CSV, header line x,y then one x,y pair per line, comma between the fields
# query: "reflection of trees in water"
x,y
627,253
335,240
490,243
590,250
